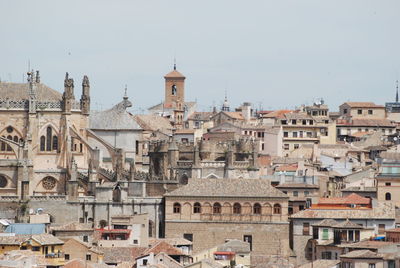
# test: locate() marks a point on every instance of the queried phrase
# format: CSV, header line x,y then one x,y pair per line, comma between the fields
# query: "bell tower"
x,y
174,88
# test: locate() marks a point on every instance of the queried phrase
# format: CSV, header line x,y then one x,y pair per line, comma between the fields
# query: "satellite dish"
x,y
395,138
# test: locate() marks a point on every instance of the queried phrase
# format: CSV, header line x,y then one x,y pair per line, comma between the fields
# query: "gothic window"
x,y
257,208
55,143
3,181
48,138
42,143
277,209
177,208
9,137
197,207
16,139
217,208
237,208
49,183
173,92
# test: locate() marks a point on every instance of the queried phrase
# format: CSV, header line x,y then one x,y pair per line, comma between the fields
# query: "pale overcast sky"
x,y
278,54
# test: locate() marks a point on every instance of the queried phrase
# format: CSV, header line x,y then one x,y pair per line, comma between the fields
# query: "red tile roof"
x,y
351,199
363,105
163,246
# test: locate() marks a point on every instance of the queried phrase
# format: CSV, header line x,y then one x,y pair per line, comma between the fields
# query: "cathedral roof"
x,y
228,188
174,74
20,91
116,118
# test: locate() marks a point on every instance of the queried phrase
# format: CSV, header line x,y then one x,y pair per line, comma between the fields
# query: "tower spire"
x,y
174,63
397,90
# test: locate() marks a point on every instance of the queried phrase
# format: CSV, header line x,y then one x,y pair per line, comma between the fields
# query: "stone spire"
x,y
68,96
85,98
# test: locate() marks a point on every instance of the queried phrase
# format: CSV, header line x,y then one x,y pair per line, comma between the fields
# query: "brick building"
x,y
210,211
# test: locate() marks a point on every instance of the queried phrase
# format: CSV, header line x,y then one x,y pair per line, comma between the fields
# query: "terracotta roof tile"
x,y
163,247
363,105
174,74
351,199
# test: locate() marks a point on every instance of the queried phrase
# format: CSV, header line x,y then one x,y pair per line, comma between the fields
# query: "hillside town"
x,y
315,186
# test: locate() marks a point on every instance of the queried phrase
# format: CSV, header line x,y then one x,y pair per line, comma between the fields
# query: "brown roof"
x,y
184,131
153,122
363,105
43,239
228,188
351,199
361,254
277,114
287,168
368,244
203,116
297,185
174,74
366,122
320,264
235,115
20,91
121,254
348,224
174,241
163,247
325,223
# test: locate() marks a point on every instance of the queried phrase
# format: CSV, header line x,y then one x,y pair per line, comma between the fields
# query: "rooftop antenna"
x,y
397,90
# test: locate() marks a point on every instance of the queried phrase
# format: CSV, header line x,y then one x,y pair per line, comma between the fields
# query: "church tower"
x,y
174,89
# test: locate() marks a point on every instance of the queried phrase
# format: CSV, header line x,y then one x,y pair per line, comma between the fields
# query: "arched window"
x,y
42,143
173,91
197,207
48,138
16,139
55,143
49,183
388,196
277,209
217,208
9,137
3,181
257,208
237,208
3,145
177,208
116,195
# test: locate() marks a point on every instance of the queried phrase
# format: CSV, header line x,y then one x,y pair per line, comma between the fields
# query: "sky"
x,y
274,54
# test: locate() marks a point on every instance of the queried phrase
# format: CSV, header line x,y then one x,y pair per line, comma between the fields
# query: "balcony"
x,y
238,217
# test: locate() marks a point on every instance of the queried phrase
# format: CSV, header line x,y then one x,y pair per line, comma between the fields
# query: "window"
x,y
262,146
388,183
66,256
325,234
285,134
217,208
135,241
257,208
48,138
177,208
294,134
301,207
248,239
42,143
326,255
85,238
3,181
197,207
311,122
277,209
144,262
370,112
359,111
55,143
301,134
304,122
296,146
284,122
306,228
388,196
286,146
294,122
136,147
345,111
88,257
306,193
173,90
371,265
381,228
188,237
237,208
35,248
295,193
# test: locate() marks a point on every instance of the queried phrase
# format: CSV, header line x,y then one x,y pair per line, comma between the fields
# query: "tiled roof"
x,y
320,264
228,188
116,118
382,211
361,254
20,91
359,189
235,115
43,239
277,114
184,131
325,223
178,241
297,115
47,239
174,74
297,185
365,122
202,116
394,230
235,245
164,247
287,168
347,224
154,122
367,244
363,105
351,199
121,254
79,263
